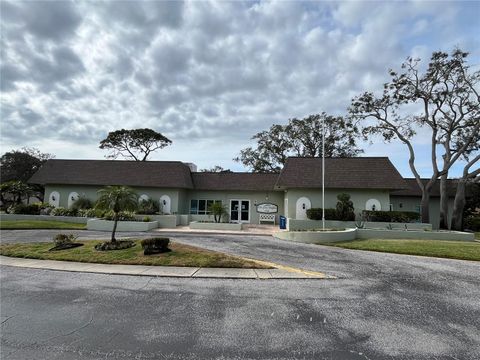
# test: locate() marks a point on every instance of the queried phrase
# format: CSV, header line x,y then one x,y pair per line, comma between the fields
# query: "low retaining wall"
x,y
421,235
313,237
294,225
310,237
215,226
106,225
72,219
164,221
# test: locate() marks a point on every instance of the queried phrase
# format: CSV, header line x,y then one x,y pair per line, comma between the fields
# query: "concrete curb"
x,y
280,272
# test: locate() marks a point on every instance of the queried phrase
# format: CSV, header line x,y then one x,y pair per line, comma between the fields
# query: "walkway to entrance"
x,y
250,229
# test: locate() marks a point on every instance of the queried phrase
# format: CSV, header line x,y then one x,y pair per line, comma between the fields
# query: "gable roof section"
x,y
414,190
234,181
346,173
170,174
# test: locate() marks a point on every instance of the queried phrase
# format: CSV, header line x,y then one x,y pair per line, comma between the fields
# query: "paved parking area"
x,y
381,306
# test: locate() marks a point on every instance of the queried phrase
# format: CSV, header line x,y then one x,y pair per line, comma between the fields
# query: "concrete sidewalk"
x,y
249,229
164,271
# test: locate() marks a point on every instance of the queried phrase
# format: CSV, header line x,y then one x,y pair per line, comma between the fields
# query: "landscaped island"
x,y
180,255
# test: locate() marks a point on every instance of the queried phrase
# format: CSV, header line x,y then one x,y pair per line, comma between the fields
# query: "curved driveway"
x,y
381,306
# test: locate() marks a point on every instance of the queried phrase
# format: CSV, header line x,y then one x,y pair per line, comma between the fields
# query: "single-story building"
x,y
372,182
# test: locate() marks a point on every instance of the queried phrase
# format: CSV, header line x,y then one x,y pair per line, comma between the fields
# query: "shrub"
x,y
472,223
148,207
155,245
345,209
316,214
89,213
61,211
62,240
122,216
116,245
391,216
24,209
82,203
147,219
217,209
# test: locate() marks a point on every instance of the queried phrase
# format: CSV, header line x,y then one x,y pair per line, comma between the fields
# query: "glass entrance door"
x,y
240,211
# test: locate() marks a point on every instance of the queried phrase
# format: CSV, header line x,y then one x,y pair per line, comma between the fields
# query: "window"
x,y
200,207
193,206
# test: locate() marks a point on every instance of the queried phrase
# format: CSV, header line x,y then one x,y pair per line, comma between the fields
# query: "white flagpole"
x,y
323,173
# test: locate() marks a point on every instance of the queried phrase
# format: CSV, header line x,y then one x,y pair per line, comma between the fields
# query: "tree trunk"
x,y
114,229
425,205
458,206
444,223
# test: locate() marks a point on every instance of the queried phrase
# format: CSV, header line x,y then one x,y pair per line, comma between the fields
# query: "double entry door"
x,y
240,211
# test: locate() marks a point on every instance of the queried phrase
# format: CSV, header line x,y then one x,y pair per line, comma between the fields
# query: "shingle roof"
x,y
347,173
172,174
234,181
414,190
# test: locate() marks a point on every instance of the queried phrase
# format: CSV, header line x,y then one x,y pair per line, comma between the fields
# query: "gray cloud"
x,y
201,72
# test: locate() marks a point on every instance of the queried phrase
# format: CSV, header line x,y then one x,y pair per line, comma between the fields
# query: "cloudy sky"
x,y
208,75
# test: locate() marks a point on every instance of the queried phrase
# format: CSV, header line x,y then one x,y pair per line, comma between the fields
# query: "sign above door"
x,y
267,208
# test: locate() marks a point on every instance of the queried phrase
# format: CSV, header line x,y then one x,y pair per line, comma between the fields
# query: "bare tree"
x,y
439,94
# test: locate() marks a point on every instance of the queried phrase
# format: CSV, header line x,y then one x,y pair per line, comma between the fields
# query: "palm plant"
x,y
218,210
116,199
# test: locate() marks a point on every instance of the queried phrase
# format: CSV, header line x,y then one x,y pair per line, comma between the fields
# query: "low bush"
x,y
472,223
148,207
61,211
147,219
391,216
155,245
117,245
91,213
316,214
122,216
24,209
64,241
82,203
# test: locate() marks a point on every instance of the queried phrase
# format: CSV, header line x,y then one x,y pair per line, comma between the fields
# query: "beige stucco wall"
x,y
412,203
358,197
274,197
91,193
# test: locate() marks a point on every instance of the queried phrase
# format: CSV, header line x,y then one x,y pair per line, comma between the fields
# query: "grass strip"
x,y
39,224
181,255
462,250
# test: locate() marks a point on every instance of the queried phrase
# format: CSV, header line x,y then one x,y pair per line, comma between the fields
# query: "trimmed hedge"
x,y
391,216
155,245
31,209
316,214
61,211
472,223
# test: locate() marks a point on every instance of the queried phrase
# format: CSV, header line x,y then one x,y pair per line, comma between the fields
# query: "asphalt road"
x,y
381,306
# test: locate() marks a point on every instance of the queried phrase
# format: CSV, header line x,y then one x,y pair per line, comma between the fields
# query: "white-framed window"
x,y
201,206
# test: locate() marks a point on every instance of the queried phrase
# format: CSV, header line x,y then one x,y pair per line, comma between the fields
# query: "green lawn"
x,y
39,224
181,255
445,249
